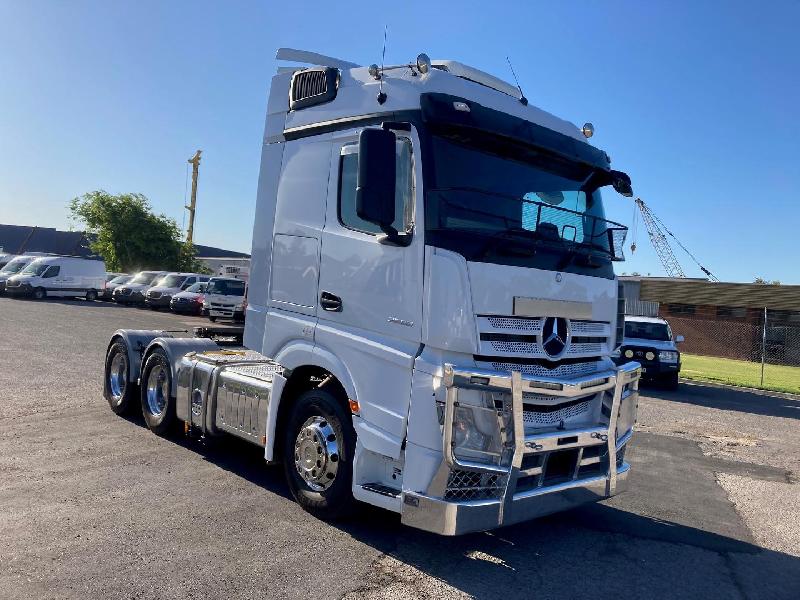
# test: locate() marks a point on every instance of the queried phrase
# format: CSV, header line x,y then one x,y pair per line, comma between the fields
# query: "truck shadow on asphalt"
x,y
754,402
598,548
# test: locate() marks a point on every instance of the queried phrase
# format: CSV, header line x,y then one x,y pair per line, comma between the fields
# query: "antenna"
x,y
381,95
522,97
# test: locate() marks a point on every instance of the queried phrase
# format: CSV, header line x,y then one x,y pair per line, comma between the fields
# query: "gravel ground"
x,y
95,505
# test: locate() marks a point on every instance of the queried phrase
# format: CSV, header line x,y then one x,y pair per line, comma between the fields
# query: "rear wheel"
x,y
119,390
158,405
318,454
40,293
91,295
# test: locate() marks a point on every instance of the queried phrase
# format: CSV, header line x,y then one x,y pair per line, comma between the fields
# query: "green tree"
x,y
129,236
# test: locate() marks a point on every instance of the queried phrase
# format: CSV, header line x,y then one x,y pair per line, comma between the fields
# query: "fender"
x,y
136,342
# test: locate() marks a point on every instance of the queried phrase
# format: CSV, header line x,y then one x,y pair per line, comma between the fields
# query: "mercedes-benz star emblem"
x,y
554,336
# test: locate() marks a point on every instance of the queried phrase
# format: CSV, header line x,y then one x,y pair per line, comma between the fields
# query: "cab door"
x,y
370,294
54,280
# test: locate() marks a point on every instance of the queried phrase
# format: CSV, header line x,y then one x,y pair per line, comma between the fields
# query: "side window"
x,y
52,271
404,189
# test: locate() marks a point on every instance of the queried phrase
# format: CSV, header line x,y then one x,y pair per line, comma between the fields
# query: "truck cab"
x,y
432,282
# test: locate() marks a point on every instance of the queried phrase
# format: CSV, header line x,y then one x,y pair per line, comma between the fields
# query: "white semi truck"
x,y
432,305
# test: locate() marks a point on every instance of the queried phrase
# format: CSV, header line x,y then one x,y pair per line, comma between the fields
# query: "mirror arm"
x,y
392,237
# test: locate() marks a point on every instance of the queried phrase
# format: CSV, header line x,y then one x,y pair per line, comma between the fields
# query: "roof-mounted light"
x,y
374,71
423,63
587,130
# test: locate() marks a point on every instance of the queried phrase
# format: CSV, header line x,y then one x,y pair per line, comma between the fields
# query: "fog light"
x,y
649,356
628,353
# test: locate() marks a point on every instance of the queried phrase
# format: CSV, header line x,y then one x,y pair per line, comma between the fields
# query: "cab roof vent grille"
x,y
313,86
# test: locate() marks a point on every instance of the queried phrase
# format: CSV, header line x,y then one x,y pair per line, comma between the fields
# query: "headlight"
x,y
668,356
477,434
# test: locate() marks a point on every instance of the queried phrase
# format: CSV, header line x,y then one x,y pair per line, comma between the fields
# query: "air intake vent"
x,y
313,86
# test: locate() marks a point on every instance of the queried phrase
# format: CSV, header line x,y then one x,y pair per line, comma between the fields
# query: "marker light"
x,y
423,63
462,106
587,130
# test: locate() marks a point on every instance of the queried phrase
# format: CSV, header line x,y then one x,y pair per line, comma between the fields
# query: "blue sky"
x,y
696,100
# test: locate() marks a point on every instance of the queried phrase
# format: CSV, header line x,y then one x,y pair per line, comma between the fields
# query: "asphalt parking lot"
x,y
93,505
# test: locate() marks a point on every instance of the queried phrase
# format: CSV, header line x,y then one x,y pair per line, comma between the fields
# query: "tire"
x,y
158,405
153,307
315,416
119,390
671,381
91,295
39,293
212,319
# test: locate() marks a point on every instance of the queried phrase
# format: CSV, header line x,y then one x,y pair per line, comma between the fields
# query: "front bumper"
x,y
160,302
24,289
132,298
523,489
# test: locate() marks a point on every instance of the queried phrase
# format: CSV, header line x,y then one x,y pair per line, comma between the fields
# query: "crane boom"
x,y
659,241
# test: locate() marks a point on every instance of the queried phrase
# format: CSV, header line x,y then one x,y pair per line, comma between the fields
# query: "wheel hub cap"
x,y
157,390
117,376
316,453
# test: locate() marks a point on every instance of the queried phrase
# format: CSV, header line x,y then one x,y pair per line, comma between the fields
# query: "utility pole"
x,y
195,162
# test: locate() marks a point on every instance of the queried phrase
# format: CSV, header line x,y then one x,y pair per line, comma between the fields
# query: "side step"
x,y
223,336
383,490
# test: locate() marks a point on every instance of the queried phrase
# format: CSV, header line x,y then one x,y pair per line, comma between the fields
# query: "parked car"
x,y
133,292
12,267
60,276
649,341
5,257
191,300
225,299
113,284
160,295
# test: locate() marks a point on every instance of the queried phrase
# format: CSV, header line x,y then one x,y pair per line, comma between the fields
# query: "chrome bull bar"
x,y
516,440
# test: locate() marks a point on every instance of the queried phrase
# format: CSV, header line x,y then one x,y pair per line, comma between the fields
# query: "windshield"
x,y
198,287
35,268
226,287
494,202
120,279
659,332
144,277
172,281
14,266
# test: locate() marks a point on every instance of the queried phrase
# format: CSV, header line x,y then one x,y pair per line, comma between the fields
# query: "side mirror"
x,y
679,339
622,183
376,177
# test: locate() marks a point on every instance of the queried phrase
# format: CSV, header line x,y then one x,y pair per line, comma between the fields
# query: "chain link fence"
x,y
762,353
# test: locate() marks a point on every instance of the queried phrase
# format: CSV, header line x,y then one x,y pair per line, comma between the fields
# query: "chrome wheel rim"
x,y
316,453
157,390
117,376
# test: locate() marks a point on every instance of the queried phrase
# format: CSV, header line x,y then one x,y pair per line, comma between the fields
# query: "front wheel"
x,y
158,405
671,381
318,455
212,319
40,293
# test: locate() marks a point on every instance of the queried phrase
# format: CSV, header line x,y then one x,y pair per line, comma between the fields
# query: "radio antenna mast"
x,y
381,95
522,97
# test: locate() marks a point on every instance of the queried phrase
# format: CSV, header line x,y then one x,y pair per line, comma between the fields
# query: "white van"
x,y
62,276
14,267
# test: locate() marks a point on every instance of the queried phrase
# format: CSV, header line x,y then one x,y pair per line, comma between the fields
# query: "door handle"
x,y
330,302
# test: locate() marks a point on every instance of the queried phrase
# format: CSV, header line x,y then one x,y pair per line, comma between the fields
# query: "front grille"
x,y
522,336
533,417
123,292
154,295
564,370
515,323
468,485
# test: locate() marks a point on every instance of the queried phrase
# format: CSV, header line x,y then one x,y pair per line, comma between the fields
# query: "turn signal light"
x,y
354,407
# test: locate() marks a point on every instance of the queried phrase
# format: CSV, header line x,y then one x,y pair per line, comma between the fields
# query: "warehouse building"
x,y
720,318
